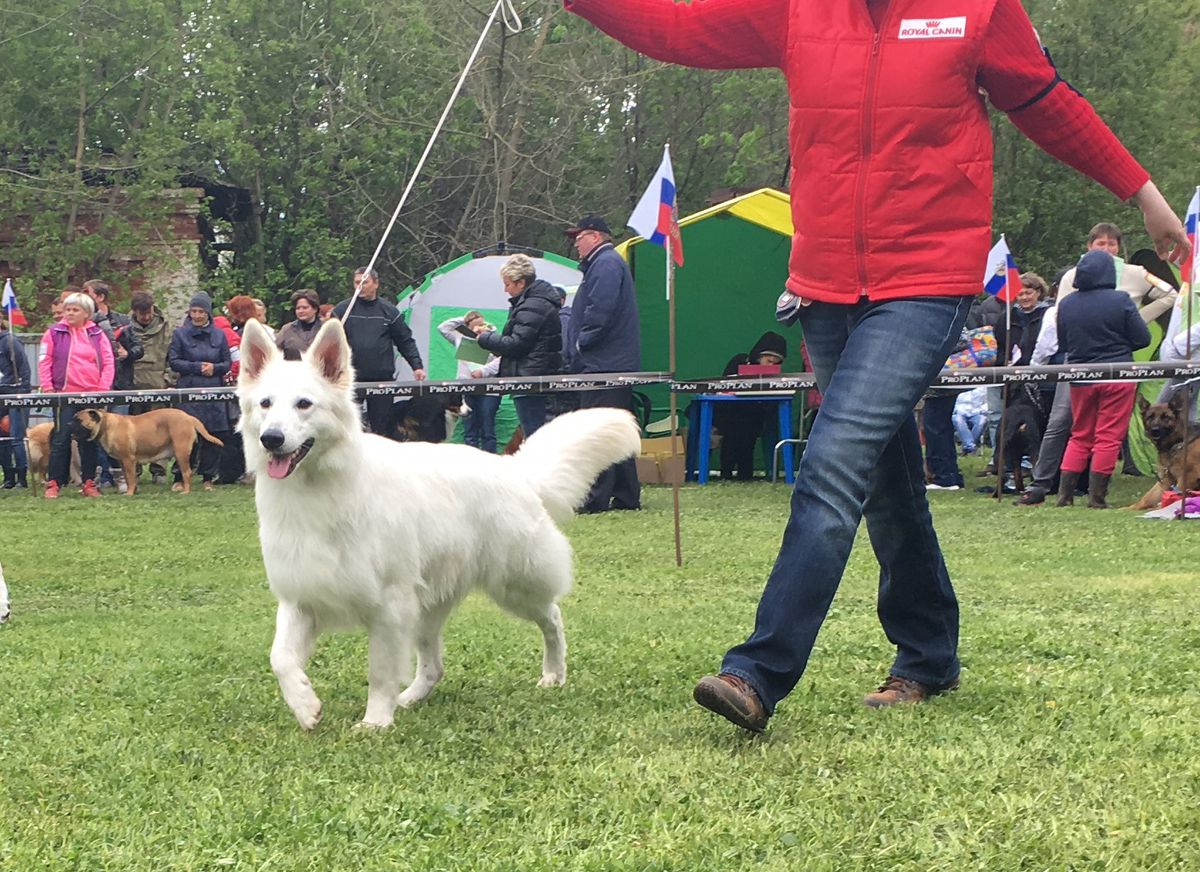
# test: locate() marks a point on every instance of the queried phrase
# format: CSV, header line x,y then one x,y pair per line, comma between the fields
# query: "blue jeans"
x,y
480,429
970,429
873,361
941,457
531,412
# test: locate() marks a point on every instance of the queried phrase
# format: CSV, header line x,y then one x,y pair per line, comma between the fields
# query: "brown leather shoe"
x,y
898,690
733,699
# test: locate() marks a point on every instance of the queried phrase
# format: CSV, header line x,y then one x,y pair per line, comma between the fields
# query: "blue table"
x,y
704,447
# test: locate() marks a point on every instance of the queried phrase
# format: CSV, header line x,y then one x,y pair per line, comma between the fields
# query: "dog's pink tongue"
x,y
278,467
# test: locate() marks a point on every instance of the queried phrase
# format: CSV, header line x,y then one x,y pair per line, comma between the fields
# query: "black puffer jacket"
x,y
531,342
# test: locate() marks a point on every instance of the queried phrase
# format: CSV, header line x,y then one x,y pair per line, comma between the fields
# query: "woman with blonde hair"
x,y
531,341
76,357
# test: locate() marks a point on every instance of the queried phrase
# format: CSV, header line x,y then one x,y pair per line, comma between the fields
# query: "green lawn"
x,y
141,728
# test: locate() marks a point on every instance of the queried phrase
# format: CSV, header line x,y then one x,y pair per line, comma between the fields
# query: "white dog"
x,y
358,530
4,611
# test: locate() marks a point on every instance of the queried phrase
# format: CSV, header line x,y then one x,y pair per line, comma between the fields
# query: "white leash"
x,y
512,20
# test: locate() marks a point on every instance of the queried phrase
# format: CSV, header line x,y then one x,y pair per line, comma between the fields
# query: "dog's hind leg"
x,y
537,603
429,654
295,638
129,465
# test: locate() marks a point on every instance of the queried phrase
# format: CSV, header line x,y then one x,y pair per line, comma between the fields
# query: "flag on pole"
x,y
12,309
656,217
1001,278
1191,223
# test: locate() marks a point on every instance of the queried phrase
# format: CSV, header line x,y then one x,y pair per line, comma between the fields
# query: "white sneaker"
x,y
932,486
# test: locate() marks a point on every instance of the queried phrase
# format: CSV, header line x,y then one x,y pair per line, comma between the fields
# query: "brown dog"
x,y
37,446
1178,451
154,435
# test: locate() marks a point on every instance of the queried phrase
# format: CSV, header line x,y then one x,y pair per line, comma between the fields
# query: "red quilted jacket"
x,y
890,140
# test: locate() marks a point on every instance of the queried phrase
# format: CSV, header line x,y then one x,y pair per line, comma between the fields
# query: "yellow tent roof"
x,y
765,207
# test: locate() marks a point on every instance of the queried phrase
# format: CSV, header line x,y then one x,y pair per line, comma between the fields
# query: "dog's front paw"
x,y
553,679
308,713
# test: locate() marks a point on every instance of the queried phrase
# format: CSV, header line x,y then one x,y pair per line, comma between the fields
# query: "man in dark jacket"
x,y
603,336
375,330
14,379
531,342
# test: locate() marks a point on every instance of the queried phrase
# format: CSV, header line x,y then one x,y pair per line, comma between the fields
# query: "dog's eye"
x,y
304,404
265,402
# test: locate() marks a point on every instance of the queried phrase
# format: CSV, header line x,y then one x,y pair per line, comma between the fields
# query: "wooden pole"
x,y
674,421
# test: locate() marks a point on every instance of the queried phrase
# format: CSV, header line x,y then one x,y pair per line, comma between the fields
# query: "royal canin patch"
x,y
933,28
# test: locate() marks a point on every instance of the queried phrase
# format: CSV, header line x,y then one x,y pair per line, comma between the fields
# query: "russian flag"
x,y
1191,223
12,309
1001,278
655,217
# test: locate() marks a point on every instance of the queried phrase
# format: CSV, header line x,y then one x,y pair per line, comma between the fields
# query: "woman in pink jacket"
x,y
76,357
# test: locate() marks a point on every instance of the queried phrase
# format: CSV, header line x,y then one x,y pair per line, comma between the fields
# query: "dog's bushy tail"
x,y
563,458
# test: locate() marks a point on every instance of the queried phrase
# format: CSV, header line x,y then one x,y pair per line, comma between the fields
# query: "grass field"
x,y
141,728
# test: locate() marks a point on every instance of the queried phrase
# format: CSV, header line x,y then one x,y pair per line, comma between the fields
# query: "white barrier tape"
x,y
532,384
949,378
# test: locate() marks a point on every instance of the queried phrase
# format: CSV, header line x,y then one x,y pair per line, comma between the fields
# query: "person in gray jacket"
x,y
603,335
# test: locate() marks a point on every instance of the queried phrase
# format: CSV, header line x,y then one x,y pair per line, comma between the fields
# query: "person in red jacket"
x,y
891,206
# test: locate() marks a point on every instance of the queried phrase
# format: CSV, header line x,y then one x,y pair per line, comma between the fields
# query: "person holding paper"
x,y
480,430
531,341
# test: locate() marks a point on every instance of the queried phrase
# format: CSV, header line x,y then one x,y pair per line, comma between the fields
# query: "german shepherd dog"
x,y
427,418
1178,451
1024,423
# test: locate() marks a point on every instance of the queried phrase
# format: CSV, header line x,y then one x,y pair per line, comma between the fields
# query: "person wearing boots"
x,y
1099,324
14,379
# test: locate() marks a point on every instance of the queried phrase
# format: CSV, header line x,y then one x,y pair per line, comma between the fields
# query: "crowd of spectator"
x,y
1099,313
91,347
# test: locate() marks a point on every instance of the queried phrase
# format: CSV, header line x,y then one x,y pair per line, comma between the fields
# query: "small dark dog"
x,y
1025,421
1178,451
428,418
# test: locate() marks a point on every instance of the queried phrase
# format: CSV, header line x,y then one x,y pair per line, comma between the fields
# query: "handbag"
x,y
975,348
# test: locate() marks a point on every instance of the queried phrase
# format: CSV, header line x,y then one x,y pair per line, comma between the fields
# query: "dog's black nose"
x,y
272,440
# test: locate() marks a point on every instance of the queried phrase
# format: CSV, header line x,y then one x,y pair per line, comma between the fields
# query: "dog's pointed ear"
x,y
1178,400
329,354
257,350
1142,404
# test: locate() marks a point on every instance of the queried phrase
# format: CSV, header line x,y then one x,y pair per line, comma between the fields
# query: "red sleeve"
x,y
711,34
1021,81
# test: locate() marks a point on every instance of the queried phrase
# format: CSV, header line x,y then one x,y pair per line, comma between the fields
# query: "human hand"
x,y
121,352
206,368
477,373
419,374
1163,225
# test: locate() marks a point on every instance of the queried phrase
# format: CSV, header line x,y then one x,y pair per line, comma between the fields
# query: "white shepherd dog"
x,y
358,530
3,598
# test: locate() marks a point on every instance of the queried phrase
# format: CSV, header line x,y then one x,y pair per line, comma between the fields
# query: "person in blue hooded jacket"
x,y
1099,324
